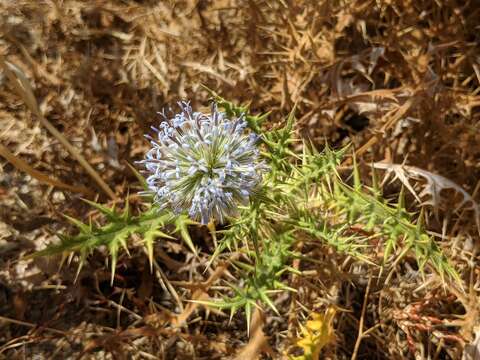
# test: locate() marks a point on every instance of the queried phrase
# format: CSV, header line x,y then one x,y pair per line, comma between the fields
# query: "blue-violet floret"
x,y
203,164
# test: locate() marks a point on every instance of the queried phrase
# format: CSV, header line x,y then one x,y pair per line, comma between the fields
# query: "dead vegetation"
x,y
398,79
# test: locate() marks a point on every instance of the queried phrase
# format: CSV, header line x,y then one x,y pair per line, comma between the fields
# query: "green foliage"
x,y
302,200
150,225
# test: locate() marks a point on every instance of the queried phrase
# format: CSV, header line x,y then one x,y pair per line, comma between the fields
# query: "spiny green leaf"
x,y
126,210
115,233
139,177
151,234
84,228
109,213
264,297
181,226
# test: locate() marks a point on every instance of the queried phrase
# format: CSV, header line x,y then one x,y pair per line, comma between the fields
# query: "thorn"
x,y
401,199
421,219
375,185
357,185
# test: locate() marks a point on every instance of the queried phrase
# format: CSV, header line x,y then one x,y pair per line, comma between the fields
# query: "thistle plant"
x,y
213,167
203,164
304,199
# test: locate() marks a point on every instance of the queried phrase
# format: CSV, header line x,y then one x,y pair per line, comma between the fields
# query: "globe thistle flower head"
x,y
203,164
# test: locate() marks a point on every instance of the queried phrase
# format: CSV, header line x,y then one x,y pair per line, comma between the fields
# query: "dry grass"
x,y
399,79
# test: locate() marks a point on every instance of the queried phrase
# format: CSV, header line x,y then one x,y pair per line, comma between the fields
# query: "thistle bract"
x,y
203,164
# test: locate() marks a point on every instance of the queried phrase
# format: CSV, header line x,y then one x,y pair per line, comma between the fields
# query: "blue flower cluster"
x,y
203,164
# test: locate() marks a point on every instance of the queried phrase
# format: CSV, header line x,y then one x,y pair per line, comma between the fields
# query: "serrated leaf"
x,y
109,213
264,297
151,235
84,228
181,226
139,176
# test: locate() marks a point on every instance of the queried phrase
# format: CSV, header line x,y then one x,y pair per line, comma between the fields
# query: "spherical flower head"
x,y
203,164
